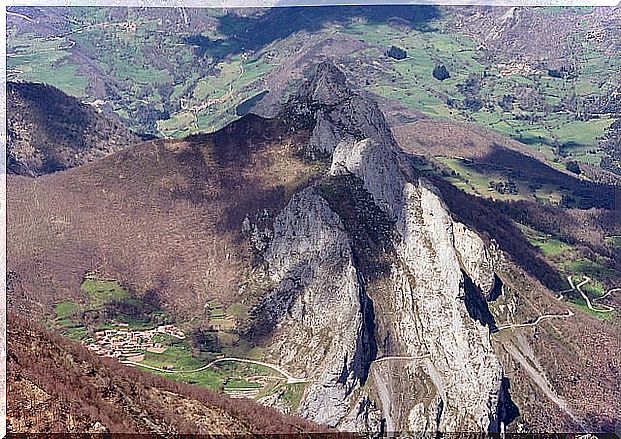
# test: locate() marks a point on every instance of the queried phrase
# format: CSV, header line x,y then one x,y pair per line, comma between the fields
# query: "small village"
x,y
516,68
131,344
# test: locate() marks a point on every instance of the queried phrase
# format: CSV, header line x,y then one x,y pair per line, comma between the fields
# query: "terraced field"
x,y
108,306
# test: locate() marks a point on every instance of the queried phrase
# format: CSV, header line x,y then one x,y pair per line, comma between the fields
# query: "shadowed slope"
x,y
49,131
161,216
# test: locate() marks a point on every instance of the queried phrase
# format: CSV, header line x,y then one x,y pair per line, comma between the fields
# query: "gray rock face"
x,y
323,335
426,280
327,86
336,114
365,416
378,167
477,258
324,137
461,361
435,368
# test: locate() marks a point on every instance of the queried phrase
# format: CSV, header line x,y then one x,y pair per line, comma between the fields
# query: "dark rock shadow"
x,y
506,411
252,32
476,305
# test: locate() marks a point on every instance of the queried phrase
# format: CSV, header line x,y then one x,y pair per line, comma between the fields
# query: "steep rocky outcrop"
x,y
359,280
379,321
326,104
426,283
318,286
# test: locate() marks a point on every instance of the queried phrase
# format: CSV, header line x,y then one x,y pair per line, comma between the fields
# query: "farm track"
x,y
289,378
536,322
574,287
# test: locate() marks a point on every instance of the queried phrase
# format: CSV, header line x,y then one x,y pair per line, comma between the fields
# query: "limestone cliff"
x,y
426,290
319,292
378,295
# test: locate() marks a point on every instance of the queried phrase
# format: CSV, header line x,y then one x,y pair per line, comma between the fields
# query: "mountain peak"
x,y
334,112
327,85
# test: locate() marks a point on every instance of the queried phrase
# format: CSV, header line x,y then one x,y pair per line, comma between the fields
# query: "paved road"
x,y
290,379
536,322
586,280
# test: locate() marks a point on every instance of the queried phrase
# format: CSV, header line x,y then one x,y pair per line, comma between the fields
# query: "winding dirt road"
x,y
614,290
289,378
15,14
578,287
573,288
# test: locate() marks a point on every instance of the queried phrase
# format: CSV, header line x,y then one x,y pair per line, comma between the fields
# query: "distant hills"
x,y
49,131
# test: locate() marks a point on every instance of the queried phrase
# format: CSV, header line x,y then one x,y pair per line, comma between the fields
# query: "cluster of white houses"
x,y
118,343
516,68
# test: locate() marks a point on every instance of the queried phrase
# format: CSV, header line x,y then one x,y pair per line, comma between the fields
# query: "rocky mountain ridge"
x,y
385,297
347,325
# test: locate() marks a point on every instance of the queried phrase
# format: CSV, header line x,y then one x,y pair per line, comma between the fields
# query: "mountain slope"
x,y
372,279
383,290
55,385
162,215
49,131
